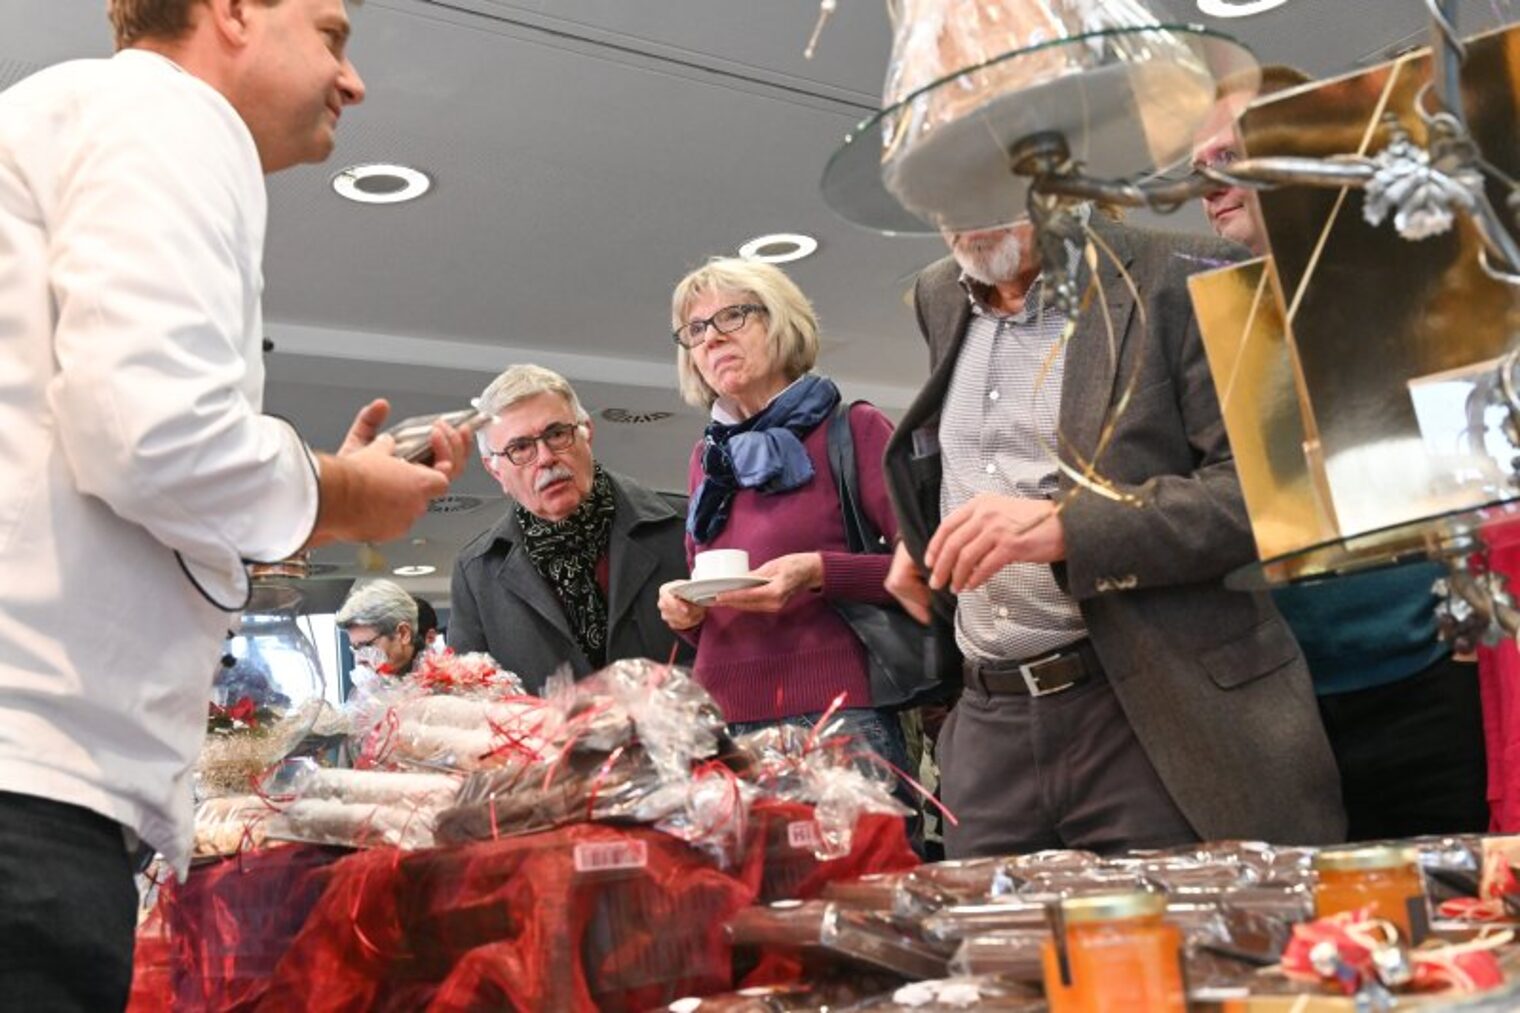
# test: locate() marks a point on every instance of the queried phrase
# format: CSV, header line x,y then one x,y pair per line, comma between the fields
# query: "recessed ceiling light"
x,y
1237,8
381,184
414,571
779,248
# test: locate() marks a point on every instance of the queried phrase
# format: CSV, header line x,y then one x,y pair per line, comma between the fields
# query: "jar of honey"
x,y
1119,956
1386,879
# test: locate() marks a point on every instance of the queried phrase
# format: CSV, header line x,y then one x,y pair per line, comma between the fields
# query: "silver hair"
x,y
381,604
518,383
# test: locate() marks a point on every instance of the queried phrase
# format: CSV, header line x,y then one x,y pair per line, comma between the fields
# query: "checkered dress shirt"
x,y
998,434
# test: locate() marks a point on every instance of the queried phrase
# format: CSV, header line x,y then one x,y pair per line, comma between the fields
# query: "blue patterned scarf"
x,y
764,452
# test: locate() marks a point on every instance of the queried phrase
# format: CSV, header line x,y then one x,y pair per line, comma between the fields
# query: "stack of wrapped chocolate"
x,y
1230,926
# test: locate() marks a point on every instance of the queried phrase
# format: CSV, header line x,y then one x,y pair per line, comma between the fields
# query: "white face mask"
x,y
371,656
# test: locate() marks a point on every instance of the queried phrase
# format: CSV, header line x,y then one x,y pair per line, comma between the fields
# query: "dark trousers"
x,y
68,908
1411,754
1026,773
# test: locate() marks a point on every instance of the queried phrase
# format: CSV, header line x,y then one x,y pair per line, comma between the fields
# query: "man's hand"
x,y
368,494
906,582
989,532
799,571
451,447
366,426
678,613
451,450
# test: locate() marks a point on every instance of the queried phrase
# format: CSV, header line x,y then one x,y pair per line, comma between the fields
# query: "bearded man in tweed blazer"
x,y
1071,507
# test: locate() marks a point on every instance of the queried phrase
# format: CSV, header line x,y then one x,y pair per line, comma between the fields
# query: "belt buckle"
x,y
1029,670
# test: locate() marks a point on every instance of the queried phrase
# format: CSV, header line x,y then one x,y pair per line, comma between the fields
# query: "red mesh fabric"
x,y
152,967
588,917
779,862
517,924
350,952
230,922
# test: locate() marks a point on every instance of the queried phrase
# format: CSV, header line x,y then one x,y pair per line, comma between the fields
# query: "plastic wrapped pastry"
x,y
354,825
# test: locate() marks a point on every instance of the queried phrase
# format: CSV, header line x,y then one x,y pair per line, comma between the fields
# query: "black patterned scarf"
x,y
565,554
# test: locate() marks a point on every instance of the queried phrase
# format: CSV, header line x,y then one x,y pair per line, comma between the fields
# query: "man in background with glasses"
x,y
572,573
1403,714
384,627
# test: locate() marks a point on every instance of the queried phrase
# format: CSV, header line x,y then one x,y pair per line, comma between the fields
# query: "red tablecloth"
x,y
212,942
588,917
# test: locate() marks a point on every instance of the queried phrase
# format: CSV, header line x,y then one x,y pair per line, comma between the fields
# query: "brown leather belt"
x,y
1042,676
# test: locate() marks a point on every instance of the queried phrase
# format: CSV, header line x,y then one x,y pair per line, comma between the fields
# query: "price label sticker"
x,y
611,856
803,835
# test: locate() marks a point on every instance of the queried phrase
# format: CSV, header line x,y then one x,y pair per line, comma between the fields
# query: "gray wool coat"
x,y
503,606
1211,680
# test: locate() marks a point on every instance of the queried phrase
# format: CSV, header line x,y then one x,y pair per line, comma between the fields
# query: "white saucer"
x,y
702,592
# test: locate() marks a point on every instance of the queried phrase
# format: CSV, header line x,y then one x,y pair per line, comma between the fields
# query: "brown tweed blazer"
x,y
1211,680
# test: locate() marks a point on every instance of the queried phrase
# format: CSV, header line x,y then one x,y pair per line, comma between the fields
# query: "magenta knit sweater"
x,y
763,666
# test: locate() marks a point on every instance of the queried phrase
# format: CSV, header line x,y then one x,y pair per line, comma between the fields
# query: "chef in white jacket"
x,y
137,474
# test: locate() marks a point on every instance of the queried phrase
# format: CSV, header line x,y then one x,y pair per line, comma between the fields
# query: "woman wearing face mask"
x,y
381,622
760,481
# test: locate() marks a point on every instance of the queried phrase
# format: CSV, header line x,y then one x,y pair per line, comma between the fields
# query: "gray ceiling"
x,y
585,154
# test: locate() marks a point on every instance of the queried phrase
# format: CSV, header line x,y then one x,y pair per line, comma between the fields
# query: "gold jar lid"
x,y
1112,907
1382,856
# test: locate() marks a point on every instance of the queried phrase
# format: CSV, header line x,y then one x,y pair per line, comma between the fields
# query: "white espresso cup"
x,y
717,563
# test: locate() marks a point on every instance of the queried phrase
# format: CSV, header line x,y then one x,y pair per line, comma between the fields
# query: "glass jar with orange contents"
x,y
1386,879
1119,956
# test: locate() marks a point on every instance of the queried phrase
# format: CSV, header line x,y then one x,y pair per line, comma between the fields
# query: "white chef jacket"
x,y
136,471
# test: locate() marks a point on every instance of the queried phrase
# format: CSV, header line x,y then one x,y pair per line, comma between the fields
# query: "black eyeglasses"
x,y
523,450
726,321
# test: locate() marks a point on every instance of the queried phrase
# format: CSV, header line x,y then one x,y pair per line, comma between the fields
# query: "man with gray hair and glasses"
x,y
380,619
571,573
